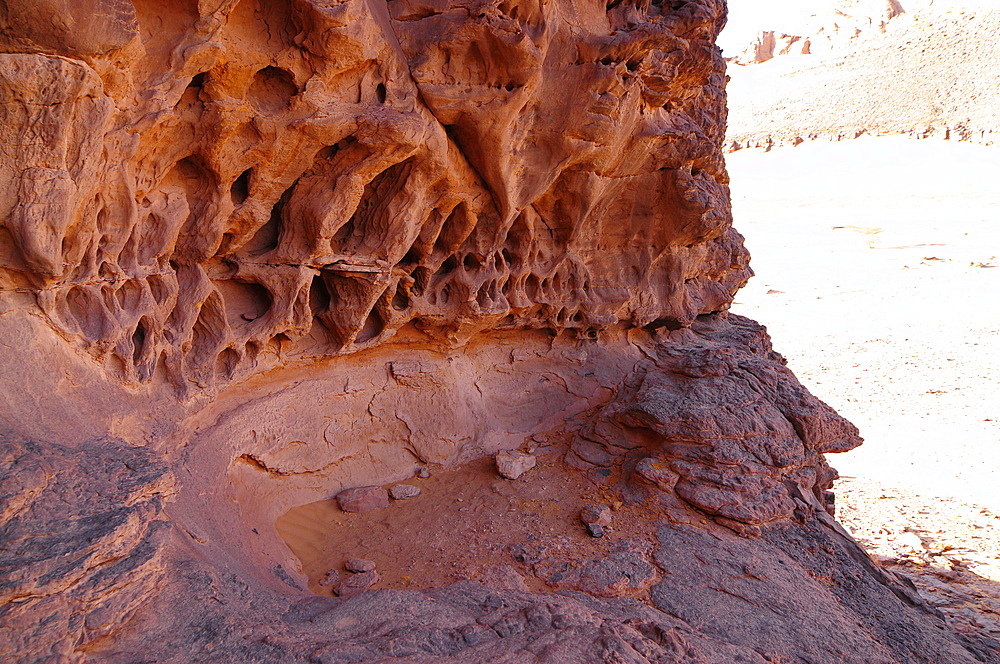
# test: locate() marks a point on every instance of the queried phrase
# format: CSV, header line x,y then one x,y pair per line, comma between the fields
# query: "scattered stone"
x,y
596,514
595,529
363,499
359,565
355,584
424,472
404,491
330,578
513,464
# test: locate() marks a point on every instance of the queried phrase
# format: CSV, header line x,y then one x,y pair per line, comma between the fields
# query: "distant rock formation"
x,y
769,44
933,73
833,30
254,253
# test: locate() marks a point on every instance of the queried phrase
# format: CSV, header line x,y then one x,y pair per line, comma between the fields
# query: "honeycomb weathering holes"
x,y
272,90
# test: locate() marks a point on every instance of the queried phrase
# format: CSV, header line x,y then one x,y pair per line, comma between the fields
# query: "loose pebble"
x,y
513,464
359,565
404,491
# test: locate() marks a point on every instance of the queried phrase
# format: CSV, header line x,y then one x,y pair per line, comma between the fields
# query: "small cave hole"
x,y
372,328
669,323
245,301
327,153
343,233
319,296
251,350
531,286
401,300
226,363
421,276
471,262
158,288
507,257
138,340
240,191
445,294
380,93
268,236
272,90
412,257
447,267
192,93
606,61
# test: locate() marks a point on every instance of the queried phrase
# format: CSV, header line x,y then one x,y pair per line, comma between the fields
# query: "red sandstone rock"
x,y
596,514
359,565
354,584
253,252
363,499
514,464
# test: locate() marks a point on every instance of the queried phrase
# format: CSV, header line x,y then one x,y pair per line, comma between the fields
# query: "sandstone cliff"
x,y
254,253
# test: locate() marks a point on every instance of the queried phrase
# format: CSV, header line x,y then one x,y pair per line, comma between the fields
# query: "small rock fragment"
x,y
359,565
514,464
404,491
330,578
424,472
595,529
354,584
363,499
598,514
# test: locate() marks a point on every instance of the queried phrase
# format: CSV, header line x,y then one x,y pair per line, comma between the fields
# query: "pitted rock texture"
x,y
254,254
192,189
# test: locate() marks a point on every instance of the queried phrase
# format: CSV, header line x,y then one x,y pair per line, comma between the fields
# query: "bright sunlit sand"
x,y
878,276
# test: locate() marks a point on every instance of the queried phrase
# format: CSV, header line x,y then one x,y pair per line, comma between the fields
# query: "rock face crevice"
x,y
255,253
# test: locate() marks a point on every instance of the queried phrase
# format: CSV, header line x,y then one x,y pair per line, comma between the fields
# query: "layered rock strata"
x,y
256,253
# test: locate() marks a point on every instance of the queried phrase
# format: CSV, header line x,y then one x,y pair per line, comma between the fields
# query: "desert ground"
x,y
877,266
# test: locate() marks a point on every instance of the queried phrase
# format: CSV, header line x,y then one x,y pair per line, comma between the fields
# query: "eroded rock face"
x,y
255,254
198,187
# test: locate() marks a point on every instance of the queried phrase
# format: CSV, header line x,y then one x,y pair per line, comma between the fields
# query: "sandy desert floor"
x,y
878,276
